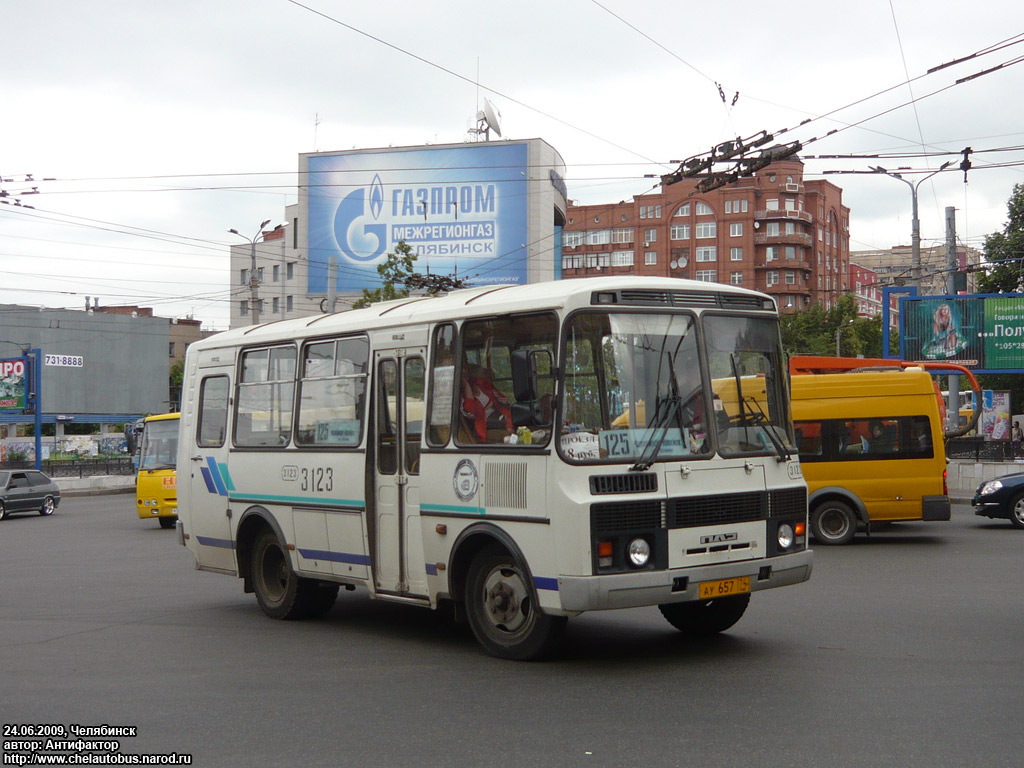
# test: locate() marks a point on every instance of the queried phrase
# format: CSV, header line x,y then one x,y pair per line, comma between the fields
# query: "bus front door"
x,y
398,561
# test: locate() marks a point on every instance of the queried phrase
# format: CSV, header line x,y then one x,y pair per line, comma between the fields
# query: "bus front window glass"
x,y
633,389
750,397
160,445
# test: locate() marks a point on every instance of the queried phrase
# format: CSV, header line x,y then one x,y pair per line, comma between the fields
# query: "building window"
x,y
772,229
243,306
703,209
598,260
259,274
790,251
276,305
707,253
772,278
771,253
243,276
679,232
789,302
651,257
683,210
736,229
622,258
706,229
624,235
288,304
572,239
290,270
170,349
790,228
707,275
790,277
599,236
650,235
276,273
772,205
735,254
736,278
735,206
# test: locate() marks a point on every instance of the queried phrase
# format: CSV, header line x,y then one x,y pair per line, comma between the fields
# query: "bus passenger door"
x,y
398,402
204,436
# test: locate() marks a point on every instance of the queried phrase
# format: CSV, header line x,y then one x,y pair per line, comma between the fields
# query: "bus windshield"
x,y
750,397
633,389
159,445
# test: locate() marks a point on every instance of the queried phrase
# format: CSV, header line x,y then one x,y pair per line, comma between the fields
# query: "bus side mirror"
x,y
524,374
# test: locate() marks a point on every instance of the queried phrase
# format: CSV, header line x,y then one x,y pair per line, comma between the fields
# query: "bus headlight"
x,y
639,553
786,536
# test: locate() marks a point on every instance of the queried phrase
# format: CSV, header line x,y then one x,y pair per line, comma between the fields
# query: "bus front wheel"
x,y
833,522
502,610
706,617
275,584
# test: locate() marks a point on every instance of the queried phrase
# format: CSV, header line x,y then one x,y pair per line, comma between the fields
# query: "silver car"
x,y
27,490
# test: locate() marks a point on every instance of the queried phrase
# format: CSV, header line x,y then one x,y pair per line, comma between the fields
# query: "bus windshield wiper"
x,y
667,408
769,429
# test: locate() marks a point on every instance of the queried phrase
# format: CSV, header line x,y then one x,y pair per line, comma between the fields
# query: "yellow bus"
x,y
871,449
156,484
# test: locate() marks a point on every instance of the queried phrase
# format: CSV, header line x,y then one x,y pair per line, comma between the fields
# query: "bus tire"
x,y
705,617
833,523
47,507
319,597
502,609
277,588
167,522
1017,511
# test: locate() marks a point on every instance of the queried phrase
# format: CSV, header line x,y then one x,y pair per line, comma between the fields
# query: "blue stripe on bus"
x,y
317,501
453,508
215,473
209,541
209,480
545,583
334,557
226,475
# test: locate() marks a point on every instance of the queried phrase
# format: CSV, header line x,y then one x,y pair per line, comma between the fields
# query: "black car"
x,y
1002,498
27,490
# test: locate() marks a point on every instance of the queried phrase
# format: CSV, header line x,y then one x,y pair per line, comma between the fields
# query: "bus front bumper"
x,y
642,588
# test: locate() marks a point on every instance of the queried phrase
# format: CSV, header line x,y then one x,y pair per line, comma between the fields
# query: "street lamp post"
x,y
839,333
915,225
254,286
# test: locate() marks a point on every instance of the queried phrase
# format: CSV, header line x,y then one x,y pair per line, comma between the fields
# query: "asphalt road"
x,y
904,649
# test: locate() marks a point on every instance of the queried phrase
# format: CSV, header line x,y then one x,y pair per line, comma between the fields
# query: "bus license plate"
x,y
724,587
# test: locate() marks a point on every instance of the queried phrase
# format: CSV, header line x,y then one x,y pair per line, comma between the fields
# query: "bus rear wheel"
x,y
503,611
833,522
167,522
706,617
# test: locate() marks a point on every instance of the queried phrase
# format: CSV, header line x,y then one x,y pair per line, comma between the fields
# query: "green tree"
x,y
399,278
1004,251
812,331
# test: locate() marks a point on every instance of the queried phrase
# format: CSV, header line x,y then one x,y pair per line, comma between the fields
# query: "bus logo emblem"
x,y
466,480
718,538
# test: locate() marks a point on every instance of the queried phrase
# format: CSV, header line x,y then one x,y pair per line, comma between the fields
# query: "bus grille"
x,y
625,515
789,501
721,509
632,482
670,298
505,485
694,511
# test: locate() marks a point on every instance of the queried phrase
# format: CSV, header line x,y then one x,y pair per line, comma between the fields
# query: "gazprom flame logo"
x,y
359,237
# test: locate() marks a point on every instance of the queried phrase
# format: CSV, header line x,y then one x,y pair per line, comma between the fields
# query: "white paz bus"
x,y
527,452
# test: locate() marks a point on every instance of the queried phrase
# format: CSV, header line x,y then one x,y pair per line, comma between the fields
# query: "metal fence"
x,y
980,449
79,467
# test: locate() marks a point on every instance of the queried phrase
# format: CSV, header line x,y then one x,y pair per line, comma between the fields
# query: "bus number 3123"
x,y
317,479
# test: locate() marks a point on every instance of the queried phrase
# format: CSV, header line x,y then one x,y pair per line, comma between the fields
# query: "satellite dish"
x,y
674,264
492,117
683,261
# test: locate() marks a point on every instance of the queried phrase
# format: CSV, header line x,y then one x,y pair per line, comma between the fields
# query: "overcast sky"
x,y
166,124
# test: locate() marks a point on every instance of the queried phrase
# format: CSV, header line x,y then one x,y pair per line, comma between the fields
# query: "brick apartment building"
x,y
772,232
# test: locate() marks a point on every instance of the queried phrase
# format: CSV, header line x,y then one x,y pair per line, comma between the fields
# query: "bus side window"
x,y
213,412
414,382
387,399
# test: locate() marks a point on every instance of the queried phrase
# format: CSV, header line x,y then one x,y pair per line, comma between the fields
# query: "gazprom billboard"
x,y
463,209
984,332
